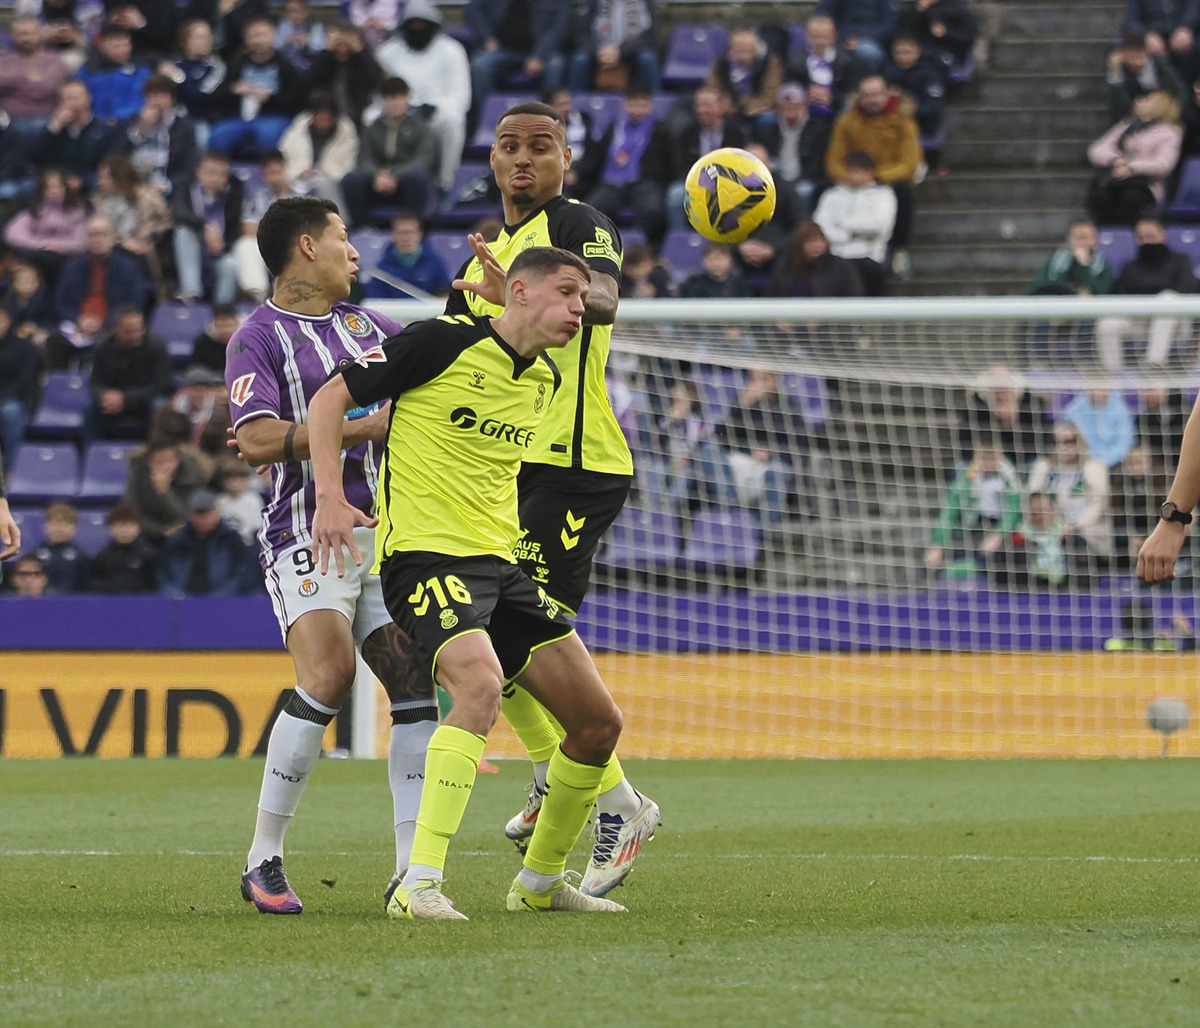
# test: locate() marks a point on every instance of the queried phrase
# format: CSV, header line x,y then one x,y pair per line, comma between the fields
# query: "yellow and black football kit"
x,y
578,470
465,407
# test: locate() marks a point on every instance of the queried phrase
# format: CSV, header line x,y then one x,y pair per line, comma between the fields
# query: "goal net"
x,y
895,528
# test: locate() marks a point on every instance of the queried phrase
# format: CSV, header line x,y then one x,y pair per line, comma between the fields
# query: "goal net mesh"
x,y
905,535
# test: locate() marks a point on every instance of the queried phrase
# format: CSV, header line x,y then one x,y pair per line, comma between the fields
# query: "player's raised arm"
x,y
335,519
603,296
1157,557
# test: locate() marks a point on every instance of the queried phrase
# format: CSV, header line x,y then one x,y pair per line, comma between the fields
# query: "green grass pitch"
x,y
802,893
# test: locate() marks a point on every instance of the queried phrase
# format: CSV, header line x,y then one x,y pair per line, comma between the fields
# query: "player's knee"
x,y
474,687
331,678
600,734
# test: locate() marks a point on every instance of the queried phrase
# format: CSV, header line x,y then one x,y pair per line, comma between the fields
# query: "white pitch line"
x,y
927,857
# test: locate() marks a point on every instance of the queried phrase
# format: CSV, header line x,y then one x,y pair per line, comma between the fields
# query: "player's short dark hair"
x,y
285,222
540,109
395,86
860,159
159,84
272,157
542,260
123,511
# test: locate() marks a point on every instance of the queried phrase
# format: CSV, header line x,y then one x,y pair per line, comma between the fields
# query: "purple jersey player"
x,y
283,353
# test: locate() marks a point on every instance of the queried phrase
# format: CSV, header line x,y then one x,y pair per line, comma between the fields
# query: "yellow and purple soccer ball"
x,y
728,194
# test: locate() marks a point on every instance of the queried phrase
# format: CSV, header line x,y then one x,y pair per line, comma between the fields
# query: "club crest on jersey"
x,y
448,618
371,356
357,325
308,588
477,378
539,401
240,392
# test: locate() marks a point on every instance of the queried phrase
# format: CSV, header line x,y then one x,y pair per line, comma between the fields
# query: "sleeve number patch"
x,y
441,590
240,392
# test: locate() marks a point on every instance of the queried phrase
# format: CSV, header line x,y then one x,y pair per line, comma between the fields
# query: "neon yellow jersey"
x,y
581,430
465,409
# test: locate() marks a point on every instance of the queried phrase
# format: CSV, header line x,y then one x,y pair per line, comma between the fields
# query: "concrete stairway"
x,y
1018,137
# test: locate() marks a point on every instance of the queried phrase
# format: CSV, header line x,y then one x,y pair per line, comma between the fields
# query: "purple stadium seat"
x,y
719,388
60,414
631,235
451,247
690,53
485,129
44,472
796,38
1118,246
808,394
91,533
32,523
470,193
723,538
178,324
1186,205
683,252
602,108
960,73
663,102
937,140
642,540
370,244
1185,240
105,472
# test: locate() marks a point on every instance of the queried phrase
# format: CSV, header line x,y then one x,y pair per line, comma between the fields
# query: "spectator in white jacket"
x,y
320,147
438,74
857,216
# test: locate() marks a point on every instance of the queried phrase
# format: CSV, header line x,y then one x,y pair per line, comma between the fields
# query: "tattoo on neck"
x,y
296,290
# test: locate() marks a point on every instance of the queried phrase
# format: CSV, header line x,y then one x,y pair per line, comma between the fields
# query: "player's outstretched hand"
x,y
1157,557
491,288
333,528
10,533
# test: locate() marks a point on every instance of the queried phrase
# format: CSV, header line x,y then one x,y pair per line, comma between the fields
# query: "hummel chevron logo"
x,y
574,524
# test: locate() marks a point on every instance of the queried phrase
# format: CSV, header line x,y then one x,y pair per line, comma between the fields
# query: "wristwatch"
x,y
1169,512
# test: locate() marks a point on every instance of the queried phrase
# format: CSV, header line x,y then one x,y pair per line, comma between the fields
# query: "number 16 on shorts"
x,y
440,590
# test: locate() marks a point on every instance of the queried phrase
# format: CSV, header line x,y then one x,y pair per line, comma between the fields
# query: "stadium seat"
x,y
602,108
1118,246
809,394
451,247
642,540
60,414
631,235
32,523
471,195
44,472
1186,205
485,129
178,324
796,38
105,472
690,53
1185,240
370,244
937,140
727,538
961,73
719,388
91,532
683,252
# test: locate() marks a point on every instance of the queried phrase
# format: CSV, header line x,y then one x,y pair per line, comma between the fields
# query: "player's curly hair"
x,y
285,222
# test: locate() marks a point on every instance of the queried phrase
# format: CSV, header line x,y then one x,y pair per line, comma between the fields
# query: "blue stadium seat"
x,y
809,394
683,252
602,108
470,195
370,244
642,540
690,53
1185,240
719,388
729,538
105,472
60,414
961,73
1186,205
32,523
485,129
44,472
178,325
1118,246
451,247
796,37
91,533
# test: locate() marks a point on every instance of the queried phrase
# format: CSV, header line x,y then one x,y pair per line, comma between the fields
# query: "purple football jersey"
x,y
276,362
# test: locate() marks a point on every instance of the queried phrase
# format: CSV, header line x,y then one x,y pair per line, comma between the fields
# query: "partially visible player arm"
x,y
335,518
266,440
603,295
1156,558
10,531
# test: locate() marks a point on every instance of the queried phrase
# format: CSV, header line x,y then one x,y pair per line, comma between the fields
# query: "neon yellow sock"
x,y
450,768
614,774
571,789
531,722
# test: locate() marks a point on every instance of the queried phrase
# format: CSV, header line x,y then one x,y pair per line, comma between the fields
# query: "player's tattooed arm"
x,y
603,294
393,657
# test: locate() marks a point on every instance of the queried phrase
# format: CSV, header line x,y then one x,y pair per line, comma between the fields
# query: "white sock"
x,y
406,771
539,773
421,872
536,882
292,753
620,801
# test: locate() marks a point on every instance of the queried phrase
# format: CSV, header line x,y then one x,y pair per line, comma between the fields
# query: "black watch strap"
x,y
1169,512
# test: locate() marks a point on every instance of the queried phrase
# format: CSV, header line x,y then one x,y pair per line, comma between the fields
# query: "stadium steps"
x,y
1034,157
946,224
1015,189
1051,89
1084,56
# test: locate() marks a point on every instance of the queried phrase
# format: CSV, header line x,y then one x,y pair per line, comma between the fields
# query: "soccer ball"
x,y
728,194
